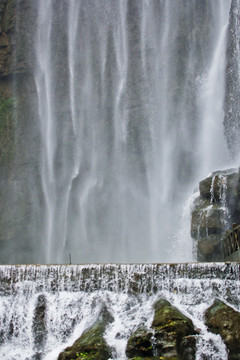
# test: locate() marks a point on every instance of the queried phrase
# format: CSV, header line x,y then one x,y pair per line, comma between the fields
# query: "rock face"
x,y
171,336
18,131
91,345
222,319
7,27
214,212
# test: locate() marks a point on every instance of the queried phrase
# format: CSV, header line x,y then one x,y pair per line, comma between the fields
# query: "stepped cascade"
x,y
120,109
74,295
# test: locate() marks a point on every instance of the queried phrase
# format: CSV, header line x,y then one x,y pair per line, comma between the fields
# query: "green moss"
x,y
91,345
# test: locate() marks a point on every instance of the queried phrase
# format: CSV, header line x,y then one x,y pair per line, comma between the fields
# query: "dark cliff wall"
x,y
7,30
18,131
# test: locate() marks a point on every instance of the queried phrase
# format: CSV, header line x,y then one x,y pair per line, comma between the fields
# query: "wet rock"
x,y
234,257
207,220
171,336
214,212
39,326
140,344
171,329
205,188
91,345
222,319
188,347
206,248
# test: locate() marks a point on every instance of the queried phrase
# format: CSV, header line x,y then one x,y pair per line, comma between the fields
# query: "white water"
x,y
130,107
75,294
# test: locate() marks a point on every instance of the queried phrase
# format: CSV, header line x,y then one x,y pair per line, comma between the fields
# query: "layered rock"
x,y
91,345
214,212
224,320
171,336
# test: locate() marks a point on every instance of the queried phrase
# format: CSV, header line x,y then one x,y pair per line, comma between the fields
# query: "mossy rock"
x,y
140,344
167,315
223,320
171,337
171,328
91,345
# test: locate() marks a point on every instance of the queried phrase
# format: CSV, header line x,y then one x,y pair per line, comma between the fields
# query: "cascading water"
x,y
130,106
128,100
73,296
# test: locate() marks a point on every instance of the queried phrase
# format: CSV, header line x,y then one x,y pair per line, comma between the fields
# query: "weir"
x,y
74,295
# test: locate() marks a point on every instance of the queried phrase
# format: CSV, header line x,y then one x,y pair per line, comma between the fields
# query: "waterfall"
x,y
73,296
130,107
121,108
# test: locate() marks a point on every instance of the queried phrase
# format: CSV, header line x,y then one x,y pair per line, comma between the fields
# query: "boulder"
x,y
140,344
171,336
91,344
171,328
214,212
223,320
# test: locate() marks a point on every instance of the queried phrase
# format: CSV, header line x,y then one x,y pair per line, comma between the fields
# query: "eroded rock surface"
x,y
224,320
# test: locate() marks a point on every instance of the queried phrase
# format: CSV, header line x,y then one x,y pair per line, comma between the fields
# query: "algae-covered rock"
x,y
171,329
91,345
140,344
171,336
224,320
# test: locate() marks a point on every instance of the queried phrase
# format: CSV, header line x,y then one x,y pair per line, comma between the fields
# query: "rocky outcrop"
x,y
214,212
171,336
91,345
224,320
